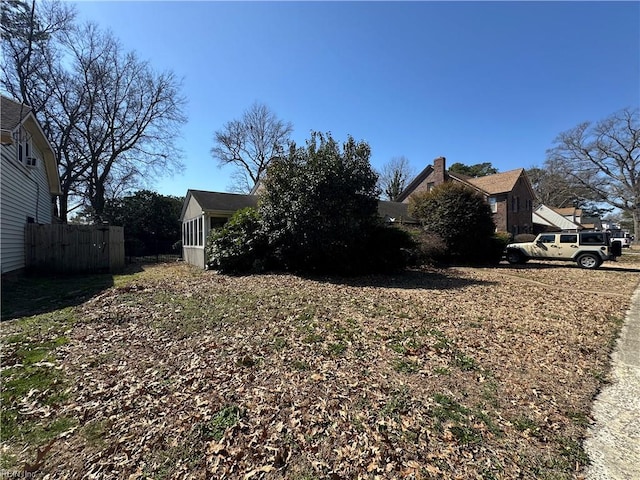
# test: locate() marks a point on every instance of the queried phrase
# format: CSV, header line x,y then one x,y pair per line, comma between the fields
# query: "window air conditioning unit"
x,y
31,161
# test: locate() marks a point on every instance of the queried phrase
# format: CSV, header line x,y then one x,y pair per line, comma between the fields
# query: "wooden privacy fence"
x,y
74,248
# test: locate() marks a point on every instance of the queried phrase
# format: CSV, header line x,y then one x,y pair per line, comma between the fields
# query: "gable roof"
x,y
219,202
395,212
409,189
550,217
15,115
498,182
572,211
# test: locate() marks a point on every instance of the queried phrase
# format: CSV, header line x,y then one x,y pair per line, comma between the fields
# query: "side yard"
x,y
174,372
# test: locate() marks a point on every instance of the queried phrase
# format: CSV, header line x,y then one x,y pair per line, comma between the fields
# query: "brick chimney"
x,y
439,167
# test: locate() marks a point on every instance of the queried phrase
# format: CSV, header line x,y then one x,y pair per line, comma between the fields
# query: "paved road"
x,y
613,442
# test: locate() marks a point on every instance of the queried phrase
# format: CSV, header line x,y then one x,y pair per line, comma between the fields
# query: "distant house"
x,y
509,194
547,218
203,211
29,180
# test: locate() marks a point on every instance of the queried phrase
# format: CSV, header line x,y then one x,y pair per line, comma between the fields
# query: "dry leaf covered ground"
x,y
458,373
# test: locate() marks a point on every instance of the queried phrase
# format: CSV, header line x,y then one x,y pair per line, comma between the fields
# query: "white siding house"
x,y
28,180
202,211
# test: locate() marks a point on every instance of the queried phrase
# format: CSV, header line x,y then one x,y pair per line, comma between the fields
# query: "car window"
x,y
592,238
568,238
547,238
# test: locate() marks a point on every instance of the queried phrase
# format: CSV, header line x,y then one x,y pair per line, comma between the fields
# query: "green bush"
x,y
385,249
240,245
319,206
430,248
497,245
318,213
458,215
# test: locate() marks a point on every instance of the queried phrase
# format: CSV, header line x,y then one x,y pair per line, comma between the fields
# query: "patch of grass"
x,y
442,371
461,419
490,391
300,365
464,362
95,432
448,409
399,402
406,366
216,427
442,343
280,343
163,461
313,338
36,294
337,349
579,418
524,424
8,461
30,376
404,342
573,451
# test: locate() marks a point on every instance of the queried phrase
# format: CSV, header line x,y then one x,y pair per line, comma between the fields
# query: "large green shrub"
x,y
319,206
318,213
461,217
240,245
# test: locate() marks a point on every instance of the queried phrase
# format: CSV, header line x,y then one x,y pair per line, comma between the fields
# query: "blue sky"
x,y
472,81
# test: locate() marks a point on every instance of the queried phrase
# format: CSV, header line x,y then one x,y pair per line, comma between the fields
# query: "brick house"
x,y
509,194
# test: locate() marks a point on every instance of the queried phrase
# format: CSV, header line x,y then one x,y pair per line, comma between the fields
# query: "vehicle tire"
x,y
589,261
514,257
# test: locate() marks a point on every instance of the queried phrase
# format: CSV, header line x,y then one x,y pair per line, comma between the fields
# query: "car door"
x,y
545,246
568,245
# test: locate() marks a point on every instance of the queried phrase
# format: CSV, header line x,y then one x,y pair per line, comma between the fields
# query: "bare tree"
x,y
604,158
27,36
128,127
249,144
110,117
394,177
555,189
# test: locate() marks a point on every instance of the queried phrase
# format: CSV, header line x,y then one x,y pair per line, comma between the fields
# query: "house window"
x,y
193,232
25,154
493,203
430,186
515,204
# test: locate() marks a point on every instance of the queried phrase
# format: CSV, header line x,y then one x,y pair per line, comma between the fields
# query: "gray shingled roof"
x,y
223,201
396,210
12,113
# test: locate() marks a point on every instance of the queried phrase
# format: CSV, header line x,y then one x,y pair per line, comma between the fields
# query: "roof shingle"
x,y
497,183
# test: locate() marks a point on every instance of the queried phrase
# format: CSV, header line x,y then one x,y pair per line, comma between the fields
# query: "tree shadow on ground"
x,y
38,293
414,279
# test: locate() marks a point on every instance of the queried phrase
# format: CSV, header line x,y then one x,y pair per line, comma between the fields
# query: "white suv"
x,y
587,249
